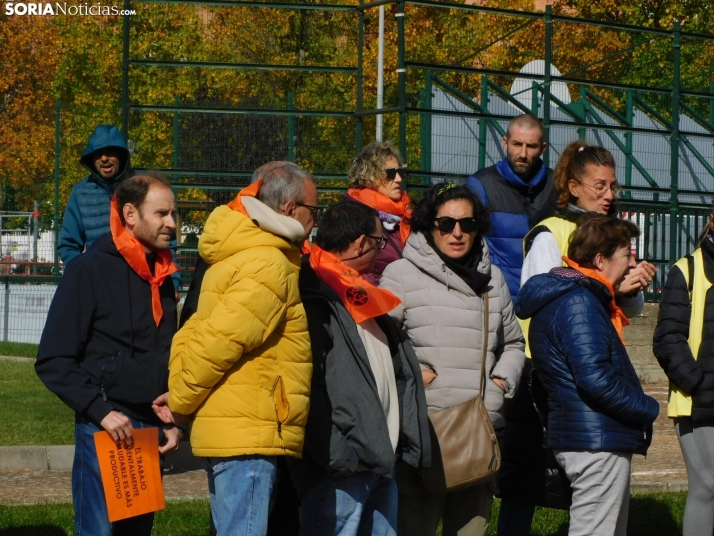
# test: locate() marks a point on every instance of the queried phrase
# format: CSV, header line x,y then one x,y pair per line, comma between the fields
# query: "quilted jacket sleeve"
x,y
71,238
247,313
392,281
670,344
510,353
586,340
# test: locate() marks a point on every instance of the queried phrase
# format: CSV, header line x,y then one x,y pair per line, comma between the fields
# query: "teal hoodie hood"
x,y
105,136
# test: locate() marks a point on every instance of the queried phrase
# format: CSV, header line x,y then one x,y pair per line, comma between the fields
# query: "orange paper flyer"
x,y
131,477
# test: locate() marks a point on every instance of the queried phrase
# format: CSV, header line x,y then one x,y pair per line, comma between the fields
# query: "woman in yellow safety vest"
x,y
585,182
684,346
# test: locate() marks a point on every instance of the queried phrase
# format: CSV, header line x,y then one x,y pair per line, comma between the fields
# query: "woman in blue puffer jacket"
x,y
598,413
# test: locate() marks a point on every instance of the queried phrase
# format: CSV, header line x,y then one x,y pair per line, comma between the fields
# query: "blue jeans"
x,y
240,488
362,504
90,506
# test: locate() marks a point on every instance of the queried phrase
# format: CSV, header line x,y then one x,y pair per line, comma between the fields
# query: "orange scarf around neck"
x,y
361,299
249,191
377,201
616,315
135,256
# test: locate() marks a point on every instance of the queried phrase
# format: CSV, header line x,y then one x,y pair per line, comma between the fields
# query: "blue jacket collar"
x,y
536,182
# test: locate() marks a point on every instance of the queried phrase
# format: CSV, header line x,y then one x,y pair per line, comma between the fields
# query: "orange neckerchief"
x,y
135,256
305,248
616,315
381,202
361,299
249,191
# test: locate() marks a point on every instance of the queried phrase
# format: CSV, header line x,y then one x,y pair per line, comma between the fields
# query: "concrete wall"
x,y
638,336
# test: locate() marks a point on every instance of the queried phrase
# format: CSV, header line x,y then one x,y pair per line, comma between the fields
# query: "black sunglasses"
x,y
446,224
392,173
316,212
381,241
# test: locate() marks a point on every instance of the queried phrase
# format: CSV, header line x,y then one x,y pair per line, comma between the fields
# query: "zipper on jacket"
x,y
446,272
275,405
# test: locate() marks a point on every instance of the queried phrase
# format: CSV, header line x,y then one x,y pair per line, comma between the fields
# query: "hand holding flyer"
x,y
131,477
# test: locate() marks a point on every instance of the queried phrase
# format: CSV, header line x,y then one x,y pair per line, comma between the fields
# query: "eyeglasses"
x,y
316,212
381,241
446,224
600,189
392,173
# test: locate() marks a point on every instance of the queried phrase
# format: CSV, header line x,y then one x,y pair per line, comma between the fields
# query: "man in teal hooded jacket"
x,y
86,217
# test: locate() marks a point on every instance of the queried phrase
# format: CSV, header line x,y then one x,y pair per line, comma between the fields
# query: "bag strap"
x,y
690,269
484,353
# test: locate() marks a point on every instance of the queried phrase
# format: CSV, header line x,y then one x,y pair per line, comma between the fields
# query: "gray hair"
x,y
265,168
283,184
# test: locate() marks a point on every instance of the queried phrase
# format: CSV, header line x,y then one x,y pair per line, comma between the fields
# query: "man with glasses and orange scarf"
x,y
367,407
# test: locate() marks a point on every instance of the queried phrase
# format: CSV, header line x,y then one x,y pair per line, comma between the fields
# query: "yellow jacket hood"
x,y
228,232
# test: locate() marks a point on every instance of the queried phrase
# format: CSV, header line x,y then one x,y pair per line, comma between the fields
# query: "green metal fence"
x,y
208,127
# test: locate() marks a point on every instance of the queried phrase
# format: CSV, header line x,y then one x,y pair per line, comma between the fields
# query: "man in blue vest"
x,y
519,193
86,217
516,191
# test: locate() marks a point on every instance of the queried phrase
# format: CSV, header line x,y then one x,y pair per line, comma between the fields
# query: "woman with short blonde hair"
x,y
377,179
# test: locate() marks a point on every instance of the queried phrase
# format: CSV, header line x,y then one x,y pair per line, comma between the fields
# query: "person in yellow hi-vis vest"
x,y
585,182
684,347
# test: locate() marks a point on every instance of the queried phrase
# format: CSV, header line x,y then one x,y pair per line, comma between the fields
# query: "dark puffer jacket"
x,y
594,396
86,217
671,346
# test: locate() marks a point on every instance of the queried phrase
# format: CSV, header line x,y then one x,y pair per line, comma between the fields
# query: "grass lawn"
x,y
30,414
655,514
18,349
180,518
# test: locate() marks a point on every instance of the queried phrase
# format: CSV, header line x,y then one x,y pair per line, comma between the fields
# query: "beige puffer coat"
x,y
443,317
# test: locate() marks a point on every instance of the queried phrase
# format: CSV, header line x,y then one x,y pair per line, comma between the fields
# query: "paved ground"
x,y
662,469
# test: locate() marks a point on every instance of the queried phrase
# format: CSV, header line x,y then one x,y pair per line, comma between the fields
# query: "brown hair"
x,y
597,233
134,190
367,168
576,157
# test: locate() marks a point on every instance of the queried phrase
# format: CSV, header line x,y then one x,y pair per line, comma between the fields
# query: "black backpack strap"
x,y
690,269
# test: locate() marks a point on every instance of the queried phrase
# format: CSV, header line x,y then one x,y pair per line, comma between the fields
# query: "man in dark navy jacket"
x,y
105,347
516,191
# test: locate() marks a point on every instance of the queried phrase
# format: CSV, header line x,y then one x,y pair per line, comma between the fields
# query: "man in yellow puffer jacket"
x,y
242,364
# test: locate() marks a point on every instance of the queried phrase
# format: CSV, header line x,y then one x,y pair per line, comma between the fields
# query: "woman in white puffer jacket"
x,y
440,280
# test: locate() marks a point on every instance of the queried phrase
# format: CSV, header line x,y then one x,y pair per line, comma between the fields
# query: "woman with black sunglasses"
x,y
441,282
377,178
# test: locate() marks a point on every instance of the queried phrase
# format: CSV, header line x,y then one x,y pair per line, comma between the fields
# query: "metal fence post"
x,y
711,105
55,222
674,152
6,322
402,79
291,129
125,74
483,124
426,123
36,233
546,77
628,145
360,89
